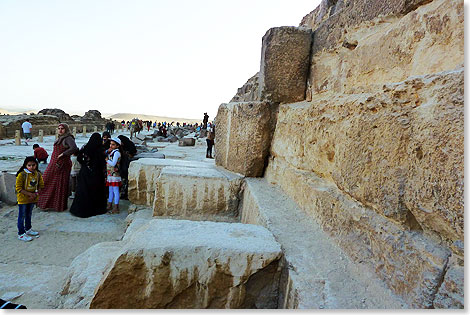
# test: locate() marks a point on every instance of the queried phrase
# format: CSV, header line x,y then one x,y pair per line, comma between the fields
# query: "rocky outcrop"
x,y
179,264
92,115
59,113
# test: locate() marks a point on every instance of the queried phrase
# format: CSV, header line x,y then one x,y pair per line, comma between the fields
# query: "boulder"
x,y
173,138
178,264
243,136
285,59
187,142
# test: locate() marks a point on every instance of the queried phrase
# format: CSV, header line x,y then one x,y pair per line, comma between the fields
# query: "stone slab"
x,y
179,264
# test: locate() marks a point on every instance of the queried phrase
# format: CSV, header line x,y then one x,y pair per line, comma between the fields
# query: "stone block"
x,y
196,192
243,136
316,273
285,60
410,263
143,175
187,142
398,151
7,188
178,264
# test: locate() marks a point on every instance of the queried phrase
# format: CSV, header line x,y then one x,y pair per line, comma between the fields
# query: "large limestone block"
x,y
387,49
192,192
410,263
316,273
243,136
399,150
285,59
143,175
7,188
180,264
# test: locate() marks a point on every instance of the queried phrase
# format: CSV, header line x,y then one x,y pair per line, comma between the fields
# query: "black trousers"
x,y
210,143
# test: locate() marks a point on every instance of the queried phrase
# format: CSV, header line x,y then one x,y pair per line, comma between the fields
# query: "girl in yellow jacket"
x,y
28,183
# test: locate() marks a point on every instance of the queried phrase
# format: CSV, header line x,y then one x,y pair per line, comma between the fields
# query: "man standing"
x,y
27,130
205,120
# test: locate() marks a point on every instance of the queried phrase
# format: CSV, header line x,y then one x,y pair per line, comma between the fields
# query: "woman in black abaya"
x,y
90,197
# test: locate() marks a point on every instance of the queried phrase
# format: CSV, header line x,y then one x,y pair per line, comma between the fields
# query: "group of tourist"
x,y
103,162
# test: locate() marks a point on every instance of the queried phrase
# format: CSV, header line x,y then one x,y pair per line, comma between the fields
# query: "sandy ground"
x,y
32,273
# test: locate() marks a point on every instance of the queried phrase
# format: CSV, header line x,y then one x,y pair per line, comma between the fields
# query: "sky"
x,y
175,58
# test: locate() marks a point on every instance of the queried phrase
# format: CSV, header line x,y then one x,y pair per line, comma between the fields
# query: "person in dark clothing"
x,y
90,197
106,140
128,152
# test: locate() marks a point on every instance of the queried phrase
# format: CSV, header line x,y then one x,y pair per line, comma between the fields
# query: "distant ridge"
x,y
129,116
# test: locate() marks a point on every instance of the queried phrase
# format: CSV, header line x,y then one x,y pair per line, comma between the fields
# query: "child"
x,y
28,183
40,153
74,173
113,180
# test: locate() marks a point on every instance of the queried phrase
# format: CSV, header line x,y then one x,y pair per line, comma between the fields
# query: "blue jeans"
x,y
24,217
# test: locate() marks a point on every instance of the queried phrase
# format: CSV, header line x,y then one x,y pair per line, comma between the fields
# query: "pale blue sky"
x,y
169,58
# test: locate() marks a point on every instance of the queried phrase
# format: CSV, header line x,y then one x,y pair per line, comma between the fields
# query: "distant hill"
x,y
12,112
128,116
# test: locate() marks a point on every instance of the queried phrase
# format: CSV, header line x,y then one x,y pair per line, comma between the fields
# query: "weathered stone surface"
x,y
187,142
59,113
411,264
388,49
316,272
451,292
151,155
331,18
93,115
285,58
7,188
249,92
179,264
243,136
188,192
143,175
398,151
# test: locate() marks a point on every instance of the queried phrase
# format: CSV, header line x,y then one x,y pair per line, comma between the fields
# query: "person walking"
x,y
26,126
57,174
28,184
90,196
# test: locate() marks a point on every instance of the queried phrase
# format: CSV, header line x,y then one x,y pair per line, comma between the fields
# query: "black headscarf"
x,y
127,145
92,155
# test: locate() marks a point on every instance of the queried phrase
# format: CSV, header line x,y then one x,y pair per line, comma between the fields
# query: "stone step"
x,y
188,192
317,273
185,189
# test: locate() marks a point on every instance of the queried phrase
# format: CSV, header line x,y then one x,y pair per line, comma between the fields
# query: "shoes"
x,y
30,232
109,206
25,238
115,209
